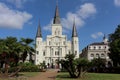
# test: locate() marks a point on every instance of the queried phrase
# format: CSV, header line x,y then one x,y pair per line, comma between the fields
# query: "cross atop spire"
x,y
74,31
39,30
56,17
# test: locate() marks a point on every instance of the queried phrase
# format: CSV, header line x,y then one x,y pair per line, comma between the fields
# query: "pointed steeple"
x,y
39,34
74,31
56,17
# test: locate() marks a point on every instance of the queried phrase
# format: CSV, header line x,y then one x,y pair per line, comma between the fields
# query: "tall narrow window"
x,y
37,52
69,52
64,42
52,52
61,52
43,53
49,43
75,52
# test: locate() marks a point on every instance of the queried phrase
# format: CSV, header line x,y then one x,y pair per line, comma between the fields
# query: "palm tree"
x,y
9,50
27,49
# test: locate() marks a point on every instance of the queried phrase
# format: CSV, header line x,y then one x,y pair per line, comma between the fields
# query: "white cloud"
x,y
68,21
17,3
117,2
12,18
97,35
85,11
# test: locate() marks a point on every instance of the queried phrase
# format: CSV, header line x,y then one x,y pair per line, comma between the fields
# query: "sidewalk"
x,y
48,75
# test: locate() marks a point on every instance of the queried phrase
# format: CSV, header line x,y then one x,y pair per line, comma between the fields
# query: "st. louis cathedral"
x,y
56,45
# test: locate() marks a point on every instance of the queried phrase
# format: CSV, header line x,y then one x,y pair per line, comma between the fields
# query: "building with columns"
x,y
56,45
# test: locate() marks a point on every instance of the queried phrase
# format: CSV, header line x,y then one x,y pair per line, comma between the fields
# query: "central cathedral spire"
x,y
56,17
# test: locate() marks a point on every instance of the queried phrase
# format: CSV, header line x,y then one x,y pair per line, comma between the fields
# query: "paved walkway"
x,y
48,75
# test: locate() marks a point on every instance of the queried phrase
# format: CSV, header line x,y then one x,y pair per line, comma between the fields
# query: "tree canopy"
x,y
12,50
114,39
76,67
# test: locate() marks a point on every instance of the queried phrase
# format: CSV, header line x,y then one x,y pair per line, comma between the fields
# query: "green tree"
x,y
75,67
114,39
27,49
98,63
9,51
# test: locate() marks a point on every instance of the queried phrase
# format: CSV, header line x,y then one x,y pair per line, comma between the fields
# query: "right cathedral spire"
x,y
74,31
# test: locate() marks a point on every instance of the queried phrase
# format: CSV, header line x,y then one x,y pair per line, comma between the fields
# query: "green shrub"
x,y
29,67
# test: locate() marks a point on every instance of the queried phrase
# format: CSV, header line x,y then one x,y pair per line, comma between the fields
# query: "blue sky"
x,y
94,18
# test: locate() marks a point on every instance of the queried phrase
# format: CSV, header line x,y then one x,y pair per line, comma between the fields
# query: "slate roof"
x,y
56,17
74,31
39,34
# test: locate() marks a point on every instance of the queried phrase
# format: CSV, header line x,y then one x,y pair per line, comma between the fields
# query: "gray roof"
x,y
39,34
56,17
74,31
98,43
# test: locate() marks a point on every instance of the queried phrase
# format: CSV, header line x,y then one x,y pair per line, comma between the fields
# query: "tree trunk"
x,y
6,68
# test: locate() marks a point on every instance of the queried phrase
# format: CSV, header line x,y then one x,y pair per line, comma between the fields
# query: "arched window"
x,y
102,55
97,55
92,55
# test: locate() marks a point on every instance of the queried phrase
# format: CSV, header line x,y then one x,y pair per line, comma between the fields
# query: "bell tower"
x,y
75,41
39,52
56,26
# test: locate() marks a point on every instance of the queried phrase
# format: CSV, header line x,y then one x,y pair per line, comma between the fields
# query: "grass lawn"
x,y
22,76
90,76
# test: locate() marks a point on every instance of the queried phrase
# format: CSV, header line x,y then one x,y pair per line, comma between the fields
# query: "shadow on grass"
x,y
66,76
63,76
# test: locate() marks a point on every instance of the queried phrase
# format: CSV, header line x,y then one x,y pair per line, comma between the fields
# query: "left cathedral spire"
x,y
39,33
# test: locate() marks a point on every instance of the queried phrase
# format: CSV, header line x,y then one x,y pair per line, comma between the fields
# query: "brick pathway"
x,y
48,75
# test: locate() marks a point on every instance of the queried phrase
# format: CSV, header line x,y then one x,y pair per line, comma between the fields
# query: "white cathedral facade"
x,y
56,45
